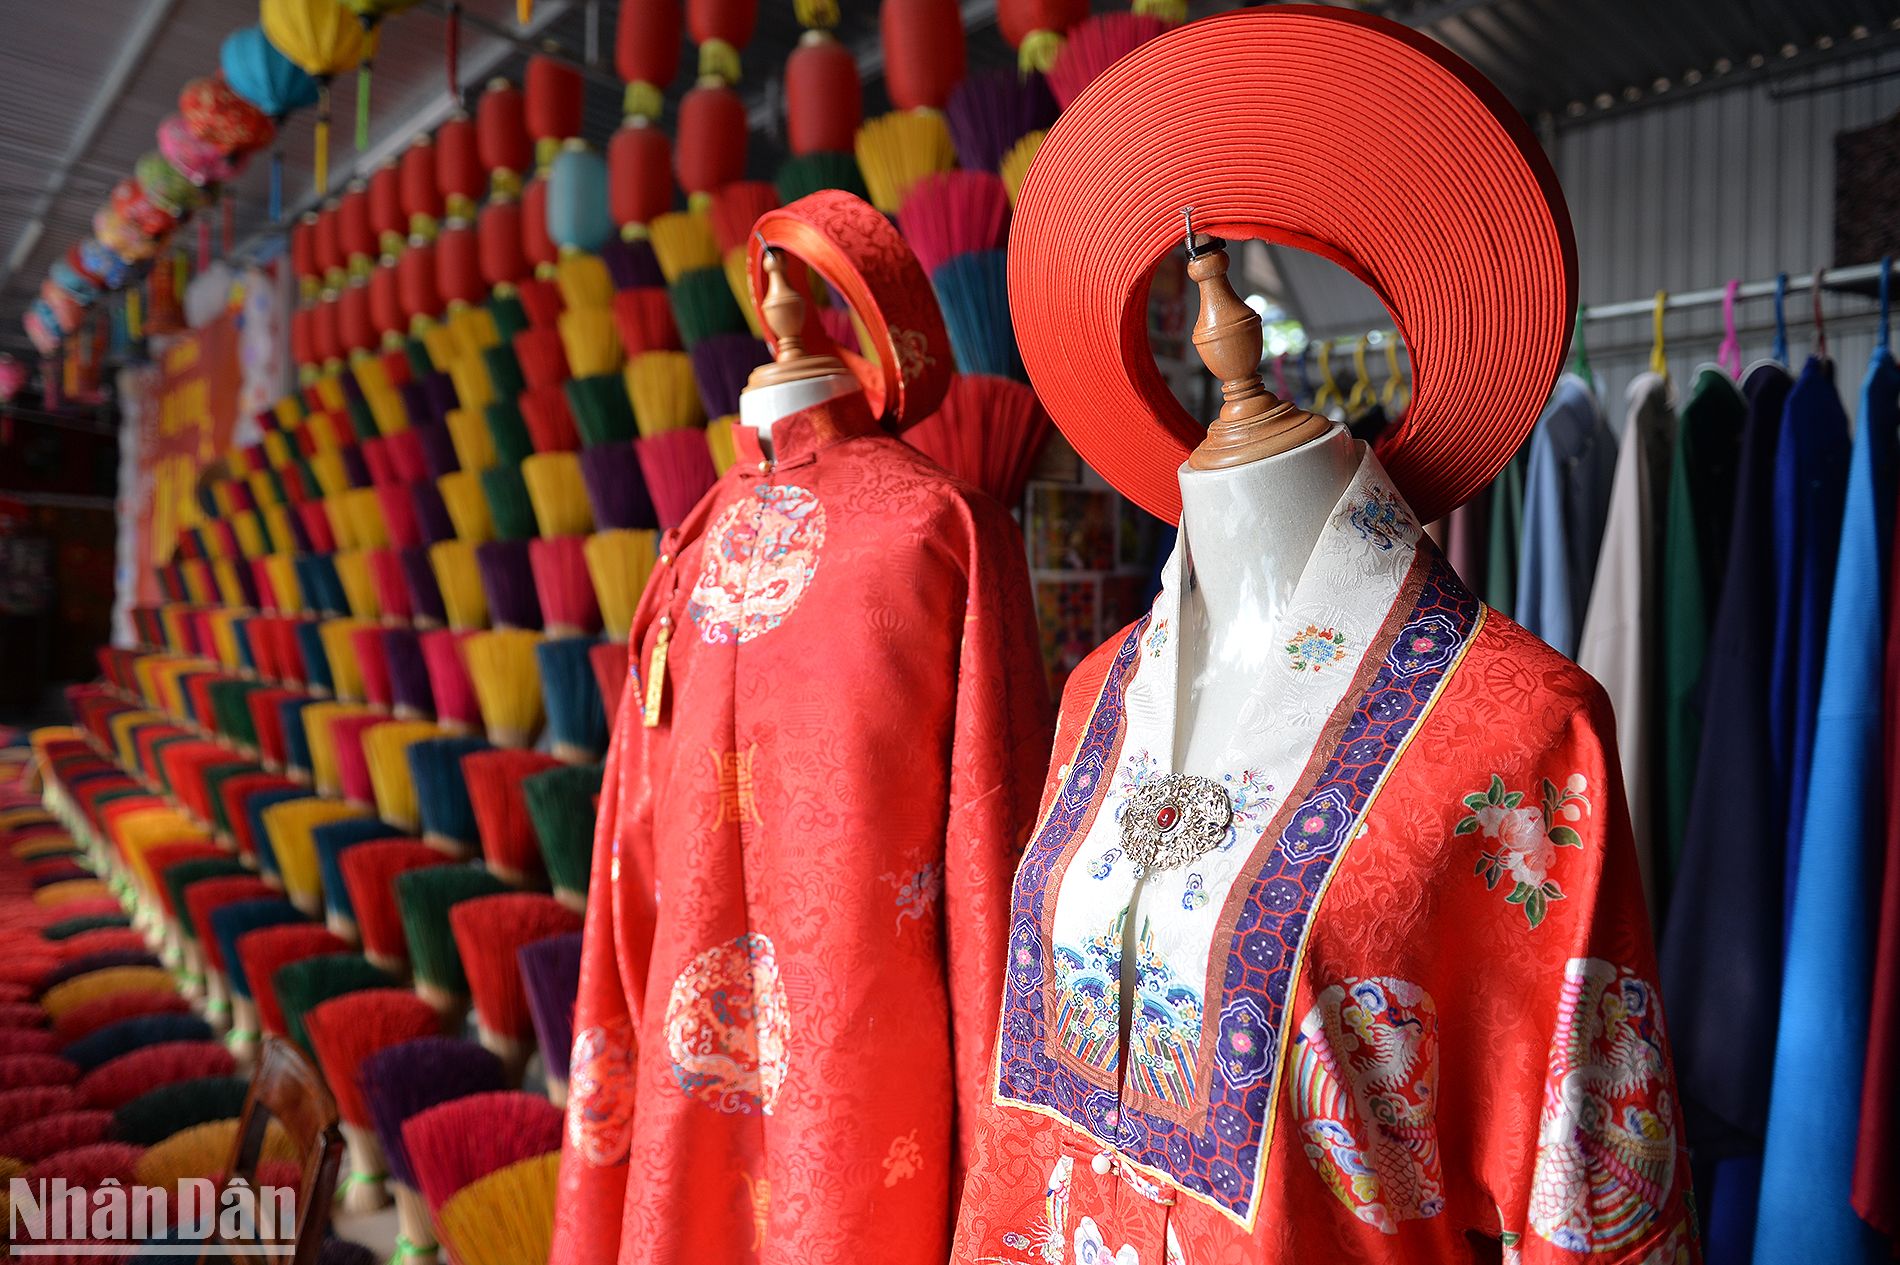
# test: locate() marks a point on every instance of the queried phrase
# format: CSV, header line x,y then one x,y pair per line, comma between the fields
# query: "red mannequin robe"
x,y
1403,1014
797,918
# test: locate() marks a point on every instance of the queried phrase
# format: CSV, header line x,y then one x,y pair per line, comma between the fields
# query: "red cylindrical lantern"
x,y
639,174
326,343
554,106
721,28
712,131
303,256
421,202
1034,28
329,247
415,272
354,231
501,136
535,242
458,168
923,51
647,52
300,351
354,326
458,265
504,262
385,210
824,100
385,302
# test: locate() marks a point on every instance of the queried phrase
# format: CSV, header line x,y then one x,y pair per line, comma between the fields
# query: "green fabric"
x,y
1507,528
1696,524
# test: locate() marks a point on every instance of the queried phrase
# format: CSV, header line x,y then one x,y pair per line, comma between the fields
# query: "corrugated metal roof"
x,y
1556,59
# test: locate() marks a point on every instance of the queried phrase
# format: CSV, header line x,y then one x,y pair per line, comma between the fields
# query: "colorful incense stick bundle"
x,y
112,1084
396,793
370,871
489,931
425,898
290,826
403,1080
721,365
508,503
448,819
664,395
410,696
456,1143
616,490
459,579
96,1049
332,839
425,591
610,673
152,1117
678,471
562,585
508,583
495,791
577,722
551,979
562,803
456,707
507,684
344,1033
558,494
620,563
309,982
230,925
505,1217
264,953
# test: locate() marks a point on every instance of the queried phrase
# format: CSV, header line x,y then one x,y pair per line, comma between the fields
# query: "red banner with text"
x,y
190,425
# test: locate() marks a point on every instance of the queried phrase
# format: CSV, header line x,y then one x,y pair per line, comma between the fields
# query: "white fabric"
x,y
1618,646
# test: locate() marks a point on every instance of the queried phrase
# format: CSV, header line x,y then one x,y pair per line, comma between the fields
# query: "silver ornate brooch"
x,y
1171,820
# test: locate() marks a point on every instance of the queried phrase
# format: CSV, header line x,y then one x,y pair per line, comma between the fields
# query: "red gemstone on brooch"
x,y
1166,816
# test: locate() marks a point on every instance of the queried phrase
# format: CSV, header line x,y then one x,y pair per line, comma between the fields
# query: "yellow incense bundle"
x,y
365,509
70,890
249,532
474,442
473,327
506,1217
584,281
467,505
383,398
898,149
318,725
557,493
620,562
332,475
79,990
359,583
339,647
737,278
1016,163
591,340
664,393
474,389
386,748
460,581
336,508
683,241
204,1150
289,825
720,443
439,340
507,684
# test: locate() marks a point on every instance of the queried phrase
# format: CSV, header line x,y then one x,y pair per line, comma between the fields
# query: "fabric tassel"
x,y
362,106
277,185
452,47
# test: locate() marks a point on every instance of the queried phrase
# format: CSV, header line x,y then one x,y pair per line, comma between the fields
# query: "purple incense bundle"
x,y
551,976
425,597
409,693
356,466
433,524
415,403
678,469
438,449
615,487
721,364
442,396
508,584
247,585
404,1079
631,264
989,112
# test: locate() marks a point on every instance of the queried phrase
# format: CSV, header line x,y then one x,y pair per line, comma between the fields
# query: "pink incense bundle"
x,y
644,318
489,931
564,585
542,355
406,456
510,849
988,430
737,207
1093,46
609,659
373,663
951,213
678,470
839,326
549,420
456,1143
456,707
392,586
399,514
264,952
352,760
369,875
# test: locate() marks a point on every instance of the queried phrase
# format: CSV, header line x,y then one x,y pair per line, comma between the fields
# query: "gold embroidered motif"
x,y
912,354
759,1191
733,771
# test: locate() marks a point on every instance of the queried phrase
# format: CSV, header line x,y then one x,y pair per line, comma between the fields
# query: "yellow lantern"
x,y
325,39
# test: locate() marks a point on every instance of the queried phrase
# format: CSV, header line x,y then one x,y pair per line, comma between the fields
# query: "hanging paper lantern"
x,y
355,326
303,256
166,187
1035,28
923,51
712,139
385,303
421,203
386,217
328,246
415,271
120,237
326,341
354,232
721,28
647,53
458,168
535,241
42,330
218,115
138,211
824,100
66,310
199,161
553,106
578,215
504,261
83,289
266,78
458,265
639,175
325,39
501,137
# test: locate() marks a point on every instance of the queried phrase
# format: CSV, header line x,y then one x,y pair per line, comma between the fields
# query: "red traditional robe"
x,y
1403,1010
797,917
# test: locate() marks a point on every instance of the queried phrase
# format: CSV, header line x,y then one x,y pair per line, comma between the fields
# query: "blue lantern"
x,y
263,76
578,212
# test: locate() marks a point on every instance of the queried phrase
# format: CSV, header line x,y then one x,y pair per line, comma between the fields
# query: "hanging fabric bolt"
x,y
1781,318
1658,362
1820,322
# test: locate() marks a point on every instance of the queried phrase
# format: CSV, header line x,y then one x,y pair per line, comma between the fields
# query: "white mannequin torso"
x,y
1249,531
760,407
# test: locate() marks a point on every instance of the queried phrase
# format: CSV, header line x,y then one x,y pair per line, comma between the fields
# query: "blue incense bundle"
x,y
332,839
508,584
616,490
316,660
100,1047
322,586
577,719
410,697
438,449
232,922
254,806
296,737
448,818
425,593
974,292
721,365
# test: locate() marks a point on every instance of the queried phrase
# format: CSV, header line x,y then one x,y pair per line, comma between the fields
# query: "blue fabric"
x,y
1566,500
1721,953
1806,1208
1811,461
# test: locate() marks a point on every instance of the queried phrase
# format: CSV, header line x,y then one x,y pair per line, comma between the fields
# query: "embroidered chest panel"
x,y
1207,1038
